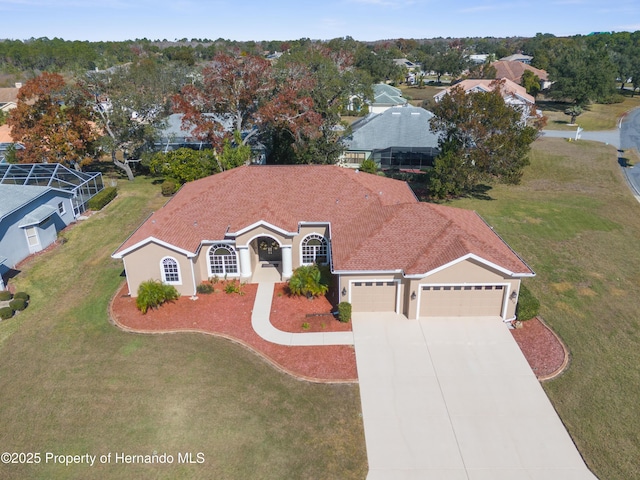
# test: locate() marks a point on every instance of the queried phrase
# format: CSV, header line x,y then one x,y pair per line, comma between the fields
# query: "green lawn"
x,y
595,117
71,383
575,222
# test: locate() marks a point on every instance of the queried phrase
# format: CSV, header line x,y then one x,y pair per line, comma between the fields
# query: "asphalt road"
x,y
630,130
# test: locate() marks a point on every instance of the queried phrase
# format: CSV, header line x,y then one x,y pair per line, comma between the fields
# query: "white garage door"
x,y
374,296
461,300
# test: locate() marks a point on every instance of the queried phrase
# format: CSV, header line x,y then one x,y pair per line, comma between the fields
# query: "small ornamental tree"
x,y
574,111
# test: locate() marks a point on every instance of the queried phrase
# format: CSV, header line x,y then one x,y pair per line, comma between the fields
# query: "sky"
x,y
364,20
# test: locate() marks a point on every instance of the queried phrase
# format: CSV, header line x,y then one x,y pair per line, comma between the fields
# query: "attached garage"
x,y
374,296
461,300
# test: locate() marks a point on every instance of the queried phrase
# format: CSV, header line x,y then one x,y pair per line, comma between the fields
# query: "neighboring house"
x,y
6,142
518,57
387,251
30,219
398,138
175,136
385,97
513,71
9,98
513,94
479,59
406,63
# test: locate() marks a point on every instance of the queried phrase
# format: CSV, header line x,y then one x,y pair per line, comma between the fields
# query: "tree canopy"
x,y
53,122
481,140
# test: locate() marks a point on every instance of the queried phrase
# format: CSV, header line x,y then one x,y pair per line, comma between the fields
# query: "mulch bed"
x,y
229,316
298,314
545,353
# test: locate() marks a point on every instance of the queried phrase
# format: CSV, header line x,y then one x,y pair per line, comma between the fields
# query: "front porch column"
x,y
245,261
287,263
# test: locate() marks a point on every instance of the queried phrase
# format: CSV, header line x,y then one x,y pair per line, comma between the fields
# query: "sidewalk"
x,y
263,327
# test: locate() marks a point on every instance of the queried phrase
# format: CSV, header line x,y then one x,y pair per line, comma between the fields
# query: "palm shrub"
x,y
309,280
152,294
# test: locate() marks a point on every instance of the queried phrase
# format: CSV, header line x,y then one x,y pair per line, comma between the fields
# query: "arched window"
x,y
170,271
223,260
315,249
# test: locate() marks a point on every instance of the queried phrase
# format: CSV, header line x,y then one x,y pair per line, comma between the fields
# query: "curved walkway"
x,y
263,327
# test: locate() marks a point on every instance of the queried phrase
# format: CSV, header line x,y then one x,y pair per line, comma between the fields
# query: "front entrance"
x,y
269,250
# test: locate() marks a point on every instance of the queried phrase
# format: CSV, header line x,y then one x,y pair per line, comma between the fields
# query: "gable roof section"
x,y
377,224
384,94
513,71
483,85
13,197
9,94
396,127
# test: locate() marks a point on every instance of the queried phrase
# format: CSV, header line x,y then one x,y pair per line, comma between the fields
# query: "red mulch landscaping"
x,y
229,316
289,313
542,349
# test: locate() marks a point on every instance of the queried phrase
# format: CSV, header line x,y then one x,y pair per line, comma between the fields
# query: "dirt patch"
x,y
229,316
543,350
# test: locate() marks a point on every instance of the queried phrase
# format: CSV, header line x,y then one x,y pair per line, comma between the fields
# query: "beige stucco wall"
x,y
144,264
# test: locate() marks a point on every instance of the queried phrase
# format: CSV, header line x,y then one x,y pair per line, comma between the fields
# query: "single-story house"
x,y
398,138
9,97
30,219
514,95
387,251
385,97
513,71
518,57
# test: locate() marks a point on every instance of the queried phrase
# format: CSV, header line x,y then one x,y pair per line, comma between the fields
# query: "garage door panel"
x,y
374,296
461,300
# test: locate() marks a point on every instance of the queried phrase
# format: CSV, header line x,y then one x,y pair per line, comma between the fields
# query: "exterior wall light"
x,y
413,295
344,291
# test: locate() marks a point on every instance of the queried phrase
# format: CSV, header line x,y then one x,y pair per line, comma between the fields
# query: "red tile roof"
x,y
376,222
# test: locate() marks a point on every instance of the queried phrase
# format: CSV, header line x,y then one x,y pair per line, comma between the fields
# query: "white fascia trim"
x,y
368,272
260,223
476,258
153,240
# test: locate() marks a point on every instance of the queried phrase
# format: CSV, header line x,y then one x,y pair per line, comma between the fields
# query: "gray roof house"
x,y
384,97
30,219
398,138
36,202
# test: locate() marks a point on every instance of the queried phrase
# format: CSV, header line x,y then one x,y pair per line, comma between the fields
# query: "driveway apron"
x,y
454,399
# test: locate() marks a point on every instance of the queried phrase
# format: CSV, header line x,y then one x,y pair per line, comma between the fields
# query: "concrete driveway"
x,y
454,399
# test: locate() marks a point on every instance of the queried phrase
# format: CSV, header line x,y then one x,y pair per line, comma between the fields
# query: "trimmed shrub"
x,y
18,304
102,198
169,187
528,305
204,287
5,295
22,295
152,294
344,312
6,313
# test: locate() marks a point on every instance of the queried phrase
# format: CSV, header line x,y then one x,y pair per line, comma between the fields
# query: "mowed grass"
x,y
71,383
595,117
575,222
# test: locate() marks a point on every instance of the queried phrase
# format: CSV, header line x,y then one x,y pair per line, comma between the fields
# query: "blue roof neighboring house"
x,y
30,219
